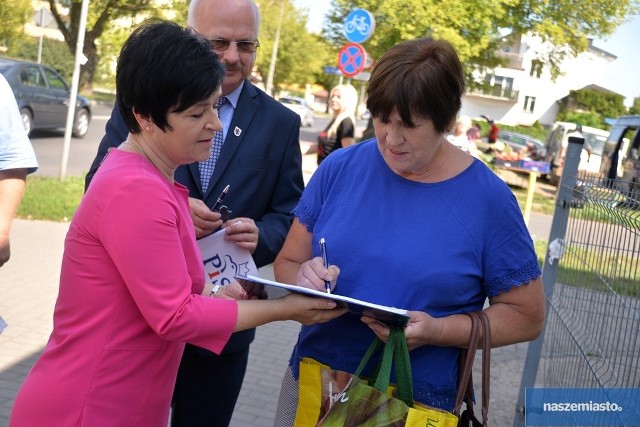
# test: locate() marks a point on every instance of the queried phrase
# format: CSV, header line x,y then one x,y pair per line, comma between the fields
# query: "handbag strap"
x,y
466,364
486,365
479,321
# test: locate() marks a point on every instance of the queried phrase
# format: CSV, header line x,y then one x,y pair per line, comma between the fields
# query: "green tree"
x,y
13,15
475,27
115,34
301,55
591,107
635,108
101,14
54,53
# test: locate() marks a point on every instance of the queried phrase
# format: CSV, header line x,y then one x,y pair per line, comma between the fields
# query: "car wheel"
x,y
81,124
27,120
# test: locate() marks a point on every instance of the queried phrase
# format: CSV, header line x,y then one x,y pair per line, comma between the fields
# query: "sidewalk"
x,y
28,289
29,283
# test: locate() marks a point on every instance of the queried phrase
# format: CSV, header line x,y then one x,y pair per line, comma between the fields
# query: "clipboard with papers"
x,y
385,314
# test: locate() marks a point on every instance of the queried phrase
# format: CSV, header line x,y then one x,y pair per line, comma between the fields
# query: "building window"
x,y
529,104
536,68
499,86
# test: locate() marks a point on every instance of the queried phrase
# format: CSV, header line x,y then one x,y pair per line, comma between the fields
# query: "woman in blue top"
x,y
412,221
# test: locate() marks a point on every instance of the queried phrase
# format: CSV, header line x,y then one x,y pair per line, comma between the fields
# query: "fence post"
x,y
550,267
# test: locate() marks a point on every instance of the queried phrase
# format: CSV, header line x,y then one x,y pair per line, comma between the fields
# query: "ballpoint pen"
x,y
218,204
323,250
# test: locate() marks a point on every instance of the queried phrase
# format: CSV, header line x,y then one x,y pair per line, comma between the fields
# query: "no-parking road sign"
x,y
352,59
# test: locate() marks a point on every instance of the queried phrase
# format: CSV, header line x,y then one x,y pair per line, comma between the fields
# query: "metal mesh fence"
x,y
592,283
592,336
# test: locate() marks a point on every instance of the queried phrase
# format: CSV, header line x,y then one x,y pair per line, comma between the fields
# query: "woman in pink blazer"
x,y
132,280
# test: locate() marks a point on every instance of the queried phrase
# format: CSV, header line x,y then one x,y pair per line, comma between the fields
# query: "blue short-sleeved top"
x,y
442,248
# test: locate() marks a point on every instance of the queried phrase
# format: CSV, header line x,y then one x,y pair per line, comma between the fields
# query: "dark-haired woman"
x,y
132,280
413,222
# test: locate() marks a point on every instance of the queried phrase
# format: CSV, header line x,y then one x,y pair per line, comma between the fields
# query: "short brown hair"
x,y
420,78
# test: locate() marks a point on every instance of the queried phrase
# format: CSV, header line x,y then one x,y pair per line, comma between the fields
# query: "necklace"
x,y
138,149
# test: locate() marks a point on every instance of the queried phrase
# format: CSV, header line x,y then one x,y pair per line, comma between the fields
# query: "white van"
x,y
558,141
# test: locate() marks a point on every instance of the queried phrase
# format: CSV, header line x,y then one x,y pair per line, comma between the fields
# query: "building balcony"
x,y
494,92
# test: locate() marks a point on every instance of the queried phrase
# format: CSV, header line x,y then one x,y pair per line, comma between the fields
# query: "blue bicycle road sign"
x,y
359,26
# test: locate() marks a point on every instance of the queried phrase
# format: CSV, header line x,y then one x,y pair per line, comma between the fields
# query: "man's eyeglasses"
x,y
246,46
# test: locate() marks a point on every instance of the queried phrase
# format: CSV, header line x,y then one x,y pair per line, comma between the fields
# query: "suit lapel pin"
x,y
237,131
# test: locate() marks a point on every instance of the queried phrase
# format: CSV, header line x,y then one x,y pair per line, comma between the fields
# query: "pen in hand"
x,y
218,204
323,250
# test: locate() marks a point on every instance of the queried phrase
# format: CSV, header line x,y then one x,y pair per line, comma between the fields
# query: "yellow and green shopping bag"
x,y
333,398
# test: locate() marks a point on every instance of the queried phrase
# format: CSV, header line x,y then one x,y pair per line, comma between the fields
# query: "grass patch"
x,y
541,250
51,199
614,271
541,203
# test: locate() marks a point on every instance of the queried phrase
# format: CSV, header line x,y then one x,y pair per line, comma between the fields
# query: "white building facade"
x,y
522,91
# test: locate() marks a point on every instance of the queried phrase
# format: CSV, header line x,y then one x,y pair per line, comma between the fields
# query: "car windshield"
x,y
596,142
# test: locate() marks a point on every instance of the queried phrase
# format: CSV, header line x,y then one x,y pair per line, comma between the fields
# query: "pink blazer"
x,y
129,299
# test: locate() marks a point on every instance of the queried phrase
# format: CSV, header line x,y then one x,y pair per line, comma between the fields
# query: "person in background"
x,y
340,132
473,133
17,160
260,160
368,132
458,135
441,234
132,279
494,131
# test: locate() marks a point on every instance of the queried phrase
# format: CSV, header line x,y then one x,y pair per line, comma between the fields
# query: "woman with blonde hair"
x,y
340,132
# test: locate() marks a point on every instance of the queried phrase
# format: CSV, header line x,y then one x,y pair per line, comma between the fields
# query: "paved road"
x,y
49,145
28,289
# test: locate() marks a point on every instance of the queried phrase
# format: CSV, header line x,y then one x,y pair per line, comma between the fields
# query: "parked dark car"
x,y
43,97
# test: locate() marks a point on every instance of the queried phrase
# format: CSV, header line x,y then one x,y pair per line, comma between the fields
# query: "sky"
x,y
622,74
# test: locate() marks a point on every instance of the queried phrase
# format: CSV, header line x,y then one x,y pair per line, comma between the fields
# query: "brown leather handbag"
x,y
479,322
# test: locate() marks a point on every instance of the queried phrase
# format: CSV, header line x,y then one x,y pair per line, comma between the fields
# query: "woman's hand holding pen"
x,y
312,274
204,219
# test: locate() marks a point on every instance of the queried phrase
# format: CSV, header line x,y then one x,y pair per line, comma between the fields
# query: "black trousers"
x,y
207,387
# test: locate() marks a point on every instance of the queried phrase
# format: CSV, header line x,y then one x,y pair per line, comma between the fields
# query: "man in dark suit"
x,y
261,161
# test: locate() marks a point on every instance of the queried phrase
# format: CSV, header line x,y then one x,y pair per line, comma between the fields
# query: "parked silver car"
x,y
43,97
301,107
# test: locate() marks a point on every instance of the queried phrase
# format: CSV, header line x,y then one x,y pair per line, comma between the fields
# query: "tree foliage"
x,y
101,14
635,108
54,53
116,33
475,28
13,15
301,55
591,107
